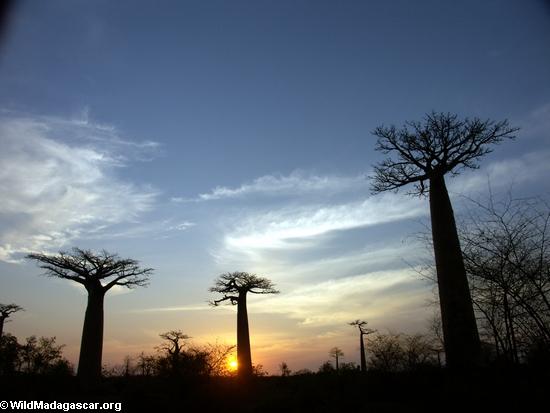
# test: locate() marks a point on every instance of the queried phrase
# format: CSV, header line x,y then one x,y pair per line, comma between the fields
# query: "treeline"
x,y
36,356
175,357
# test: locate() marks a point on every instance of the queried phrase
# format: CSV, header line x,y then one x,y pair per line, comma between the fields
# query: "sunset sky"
x,y
201,137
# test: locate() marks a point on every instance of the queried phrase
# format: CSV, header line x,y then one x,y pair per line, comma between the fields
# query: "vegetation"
x,y
37,356
98,273
234,288
6,310
336,353
507,256
422,153
363,331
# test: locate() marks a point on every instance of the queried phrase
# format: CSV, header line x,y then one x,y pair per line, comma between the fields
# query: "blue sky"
x,y
209,136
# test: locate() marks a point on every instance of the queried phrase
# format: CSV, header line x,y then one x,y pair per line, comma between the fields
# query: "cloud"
x,y
156,228
57,183
536,125
375,296
530,167
295,227
295,184
182,308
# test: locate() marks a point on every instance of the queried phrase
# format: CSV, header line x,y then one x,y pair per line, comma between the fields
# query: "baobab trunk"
x,y
244,356
461,339
91,347
2,319
363,358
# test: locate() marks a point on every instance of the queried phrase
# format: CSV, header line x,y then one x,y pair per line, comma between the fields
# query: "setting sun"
x,y
232,364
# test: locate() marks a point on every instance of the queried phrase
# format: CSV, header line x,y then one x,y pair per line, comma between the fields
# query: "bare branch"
x,y
89,268
233,284
441,144
7,309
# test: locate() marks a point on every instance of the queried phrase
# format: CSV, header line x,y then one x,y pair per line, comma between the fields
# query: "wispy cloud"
x,y
292,227
296,183
181,308
156,229
293,244
376,296
525,169
57,183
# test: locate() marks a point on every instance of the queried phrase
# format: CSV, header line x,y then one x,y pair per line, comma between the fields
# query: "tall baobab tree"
x,y
235,286
422,153
363,331
6,310
336,353
98,273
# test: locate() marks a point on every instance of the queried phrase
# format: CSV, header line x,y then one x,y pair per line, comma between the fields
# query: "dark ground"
x,y
519,390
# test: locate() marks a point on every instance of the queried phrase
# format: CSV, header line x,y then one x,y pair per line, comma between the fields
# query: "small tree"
x,y
10,359
43,356
235,286
506,250
326,368
336,353
387,353
6,310
423,154
218,355
285,371
363,331
146,364
98,273
173,347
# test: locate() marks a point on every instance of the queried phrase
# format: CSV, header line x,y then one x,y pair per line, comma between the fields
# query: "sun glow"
x,y
232,364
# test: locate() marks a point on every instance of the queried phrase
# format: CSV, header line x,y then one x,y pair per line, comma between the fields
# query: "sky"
x,y
202,137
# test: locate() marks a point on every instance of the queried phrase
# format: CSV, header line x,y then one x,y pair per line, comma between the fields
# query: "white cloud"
x,y
375,296
156,229
57,186
295,184
292,227
182,308
528,168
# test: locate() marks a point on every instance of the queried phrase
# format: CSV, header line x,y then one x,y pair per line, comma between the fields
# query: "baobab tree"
x,y
235,286
422,153
363,331
6,310
173,346
98,273
336,353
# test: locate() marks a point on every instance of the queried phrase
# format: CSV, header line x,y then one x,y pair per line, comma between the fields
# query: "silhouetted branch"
x,y
439,145
7,309
241,282
86,267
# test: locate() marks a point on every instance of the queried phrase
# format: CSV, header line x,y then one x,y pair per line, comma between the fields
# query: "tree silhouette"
x,y
506,248
174,342
6,310
285,371
98,273
424,152
363,331
234,286
173,346
336,353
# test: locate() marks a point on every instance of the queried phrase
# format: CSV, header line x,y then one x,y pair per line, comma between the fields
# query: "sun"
x,y
232,364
